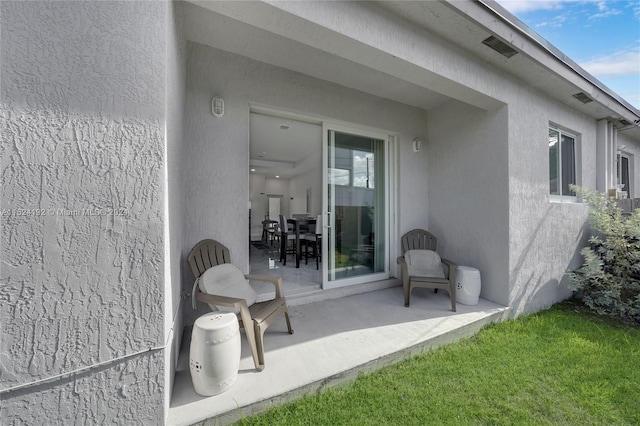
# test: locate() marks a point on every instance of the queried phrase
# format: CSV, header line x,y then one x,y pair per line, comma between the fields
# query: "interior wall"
x,y
312,179
273,186
216,149
258,199
468,191
82,278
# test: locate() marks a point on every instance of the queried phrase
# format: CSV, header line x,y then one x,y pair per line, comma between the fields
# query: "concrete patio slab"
x,y
334,341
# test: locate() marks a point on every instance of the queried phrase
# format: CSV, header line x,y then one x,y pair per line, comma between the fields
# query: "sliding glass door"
x,y
356,208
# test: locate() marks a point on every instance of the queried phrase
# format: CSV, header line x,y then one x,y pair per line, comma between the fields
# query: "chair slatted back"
x,y
418,239
206,254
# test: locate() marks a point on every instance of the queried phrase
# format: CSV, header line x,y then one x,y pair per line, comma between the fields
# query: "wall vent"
x,y
624,122
582,97
499,46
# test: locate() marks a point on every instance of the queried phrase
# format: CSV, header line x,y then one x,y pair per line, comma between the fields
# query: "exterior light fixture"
x,y
417,145
217,106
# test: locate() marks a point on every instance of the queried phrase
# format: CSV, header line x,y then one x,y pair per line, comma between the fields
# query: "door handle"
x,y
327,222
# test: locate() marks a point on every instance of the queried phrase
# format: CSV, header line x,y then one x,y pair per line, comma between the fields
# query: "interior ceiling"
x,y
283,147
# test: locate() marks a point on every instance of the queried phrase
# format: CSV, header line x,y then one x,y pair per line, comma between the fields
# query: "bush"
x,y
609,280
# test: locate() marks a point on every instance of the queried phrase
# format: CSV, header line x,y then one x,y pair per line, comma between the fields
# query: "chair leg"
x,y
452,295
250,331
259,334
286,316
407,294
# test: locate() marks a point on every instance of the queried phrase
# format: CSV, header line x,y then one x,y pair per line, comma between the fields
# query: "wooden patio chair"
x,y
227,288
423,267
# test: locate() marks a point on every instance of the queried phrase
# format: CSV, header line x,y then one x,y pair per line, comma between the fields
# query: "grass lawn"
x,y
560,366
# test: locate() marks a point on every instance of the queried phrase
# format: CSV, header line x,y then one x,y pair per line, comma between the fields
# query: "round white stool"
x,y
214,354
468,285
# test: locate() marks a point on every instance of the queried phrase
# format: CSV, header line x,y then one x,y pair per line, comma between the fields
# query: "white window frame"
x,y
629,158
577,152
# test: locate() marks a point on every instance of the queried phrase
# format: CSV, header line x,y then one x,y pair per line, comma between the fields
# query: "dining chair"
x,y
314,238
286,234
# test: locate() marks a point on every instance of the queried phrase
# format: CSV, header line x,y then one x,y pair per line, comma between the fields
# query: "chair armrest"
x,y
276,281
230,302
452,268
404,270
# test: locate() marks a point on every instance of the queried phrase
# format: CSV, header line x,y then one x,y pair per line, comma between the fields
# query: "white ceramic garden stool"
x,y
468,285
214,355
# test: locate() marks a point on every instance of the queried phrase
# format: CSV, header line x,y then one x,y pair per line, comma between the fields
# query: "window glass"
x,y
553,161
568,167
339,177
363,170
623,173
562,162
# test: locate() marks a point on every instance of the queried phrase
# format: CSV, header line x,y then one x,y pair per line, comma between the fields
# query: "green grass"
x,y
560,366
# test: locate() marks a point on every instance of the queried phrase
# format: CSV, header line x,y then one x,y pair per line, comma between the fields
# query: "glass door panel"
x,y
356,209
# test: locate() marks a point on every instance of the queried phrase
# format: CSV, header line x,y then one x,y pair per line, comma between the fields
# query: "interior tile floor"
x,y
264,259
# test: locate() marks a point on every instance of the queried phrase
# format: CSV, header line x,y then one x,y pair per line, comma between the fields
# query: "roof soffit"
x,y
539,64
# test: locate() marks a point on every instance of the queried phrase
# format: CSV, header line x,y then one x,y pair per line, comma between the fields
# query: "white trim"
x,y
577,162
369,132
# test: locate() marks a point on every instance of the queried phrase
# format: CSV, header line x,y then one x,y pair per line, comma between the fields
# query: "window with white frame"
x,y
562,162
623,173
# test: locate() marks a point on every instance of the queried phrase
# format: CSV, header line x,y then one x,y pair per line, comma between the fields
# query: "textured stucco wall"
x,y
81,280
546,236
468,192
217,179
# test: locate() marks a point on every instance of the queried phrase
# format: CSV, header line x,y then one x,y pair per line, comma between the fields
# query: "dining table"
x,y
300,225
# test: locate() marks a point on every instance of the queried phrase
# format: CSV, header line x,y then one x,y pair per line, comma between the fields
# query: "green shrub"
x,y
609,280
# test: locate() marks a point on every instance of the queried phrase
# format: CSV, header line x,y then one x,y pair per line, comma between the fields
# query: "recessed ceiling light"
x,y
253,170
277,177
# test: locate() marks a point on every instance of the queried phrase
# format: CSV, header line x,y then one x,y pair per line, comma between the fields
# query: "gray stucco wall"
x,y
175,200
83,110
546,236
468,191
217,176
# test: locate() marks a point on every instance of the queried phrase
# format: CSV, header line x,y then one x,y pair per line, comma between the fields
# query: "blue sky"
x,y
602,36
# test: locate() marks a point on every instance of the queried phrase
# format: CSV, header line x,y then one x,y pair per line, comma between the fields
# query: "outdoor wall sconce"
x,y
417,145
217,106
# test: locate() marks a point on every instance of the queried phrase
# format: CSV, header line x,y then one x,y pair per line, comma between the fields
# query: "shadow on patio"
x,y
334,341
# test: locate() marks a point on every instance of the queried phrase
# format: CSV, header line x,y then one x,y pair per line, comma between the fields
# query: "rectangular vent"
x,y
582,97
624,122
499,46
